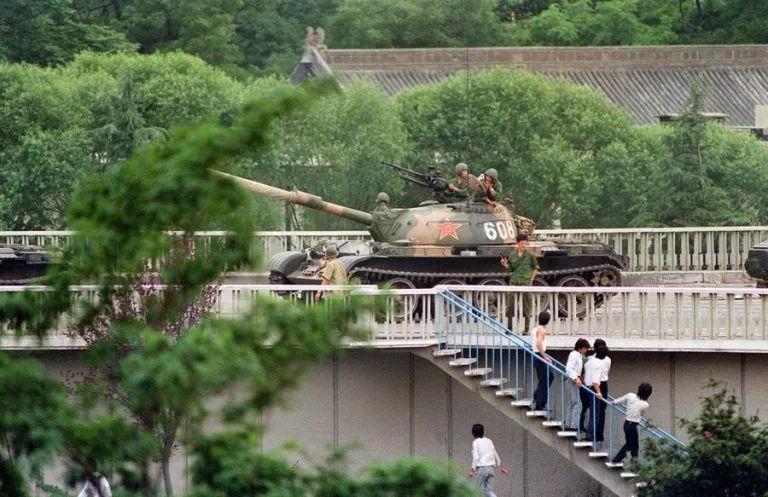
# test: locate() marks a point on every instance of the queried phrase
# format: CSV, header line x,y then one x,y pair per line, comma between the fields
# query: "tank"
x,y
452,243
19,264
756,264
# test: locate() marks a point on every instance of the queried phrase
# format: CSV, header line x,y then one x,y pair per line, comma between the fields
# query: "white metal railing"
x,y
507,361
639,318
649,249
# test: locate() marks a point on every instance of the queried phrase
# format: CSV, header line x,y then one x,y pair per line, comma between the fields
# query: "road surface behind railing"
x,y
649,249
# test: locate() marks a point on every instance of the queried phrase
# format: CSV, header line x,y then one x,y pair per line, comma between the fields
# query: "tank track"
x,y
419,276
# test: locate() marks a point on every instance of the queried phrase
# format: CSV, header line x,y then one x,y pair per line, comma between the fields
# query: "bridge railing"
x,y
649,249
725,319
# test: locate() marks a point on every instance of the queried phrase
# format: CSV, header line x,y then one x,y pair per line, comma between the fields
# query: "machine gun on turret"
x,y
433,179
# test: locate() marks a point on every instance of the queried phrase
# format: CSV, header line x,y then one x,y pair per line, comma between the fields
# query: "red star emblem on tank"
x,y
447,229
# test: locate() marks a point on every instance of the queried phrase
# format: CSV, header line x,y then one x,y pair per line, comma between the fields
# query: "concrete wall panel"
x,y
307,415
374,405
431,409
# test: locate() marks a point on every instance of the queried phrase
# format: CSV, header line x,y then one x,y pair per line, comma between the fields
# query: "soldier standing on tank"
x,y
460,187
523,268
492,186
334,272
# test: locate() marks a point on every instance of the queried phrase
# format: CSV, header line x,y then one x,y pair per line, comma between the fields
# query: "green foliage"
x,y
732,463
65,124
416,23
334,151
32,419
231,465
694,184
48,32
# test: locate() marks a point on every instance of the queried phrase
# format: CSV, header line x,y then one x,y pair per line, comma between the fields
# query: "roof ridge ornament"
x,y
315,40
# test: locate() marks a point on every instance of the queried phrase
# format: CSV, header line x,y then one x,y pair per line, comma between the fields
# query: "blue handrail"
x,y
461,336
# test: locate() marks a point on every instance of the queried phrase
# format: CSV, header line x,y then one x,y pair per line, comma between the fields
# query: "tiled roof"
x,y
647,81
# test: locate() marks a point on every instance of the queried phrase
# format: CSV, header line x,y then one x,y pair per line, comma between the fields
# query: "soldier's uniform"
x,y
382,217
335,272
461,185
521,269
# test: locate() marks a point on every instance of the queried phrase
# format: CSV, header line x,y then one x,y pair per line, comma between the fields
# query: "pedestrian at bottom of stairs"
x,y
96,486
484,461
636,406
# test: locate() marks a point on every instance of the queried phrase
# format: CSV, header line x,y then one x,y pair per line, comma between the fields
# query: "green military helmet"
x,y
331,251
461,167
382,197
493,173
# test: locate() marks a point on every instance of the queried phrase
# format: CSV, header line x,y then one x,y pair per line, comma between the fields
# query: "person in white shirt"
x,y
602,406
593,374
541,363
97,486
636,406
574,368
484,460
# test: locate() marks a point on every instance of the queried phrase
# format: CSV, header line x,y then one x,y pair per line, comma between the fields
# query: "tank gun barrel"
x,y
301,198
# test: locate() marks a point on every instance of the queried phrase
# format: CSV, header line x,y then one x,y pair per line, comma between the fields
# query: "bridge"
x,y
440,359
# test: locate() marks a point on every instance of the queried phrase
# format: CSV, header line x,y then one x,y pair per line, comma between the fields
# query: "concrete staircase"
x,y
514,403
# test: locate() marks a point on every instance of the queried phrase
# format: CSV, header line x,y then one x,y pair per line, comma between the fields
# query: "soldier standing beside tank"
x,y
334,272
460,187
492,186
523,268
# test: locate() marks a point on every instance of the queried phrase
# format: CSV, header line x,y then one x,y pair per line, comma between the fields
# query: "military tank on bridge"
x,y
20,264
454,243
756,264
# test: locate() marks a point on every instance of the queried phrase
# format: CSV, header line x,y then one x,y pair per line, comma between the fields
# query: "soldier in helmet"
x,y
382,203
334,272
492,187
460,186
382,217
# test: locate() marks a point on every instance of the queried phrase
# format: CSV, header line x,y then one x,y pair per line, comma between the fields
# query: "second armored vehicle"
x,y
756,264
19,264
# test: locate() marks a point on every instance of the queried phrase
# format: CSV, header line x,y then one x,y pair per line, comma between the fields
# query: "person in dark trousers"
x,y
593,374
541,362
484,460
636,406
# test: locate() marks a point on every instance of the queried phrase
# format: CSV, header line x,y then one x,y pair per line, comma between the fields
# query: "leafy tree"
x,y
687,189
415,24
335,151
47,32
32,420
732,463
63,124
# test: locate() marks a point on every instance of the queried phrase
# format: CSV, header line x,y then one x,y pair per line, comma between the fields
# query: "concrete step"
x,y
459,363
552,424
508,392
598,455
628,475
582,445
614,465
477,371
446,352
493,382
536,414
567,434
521,403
